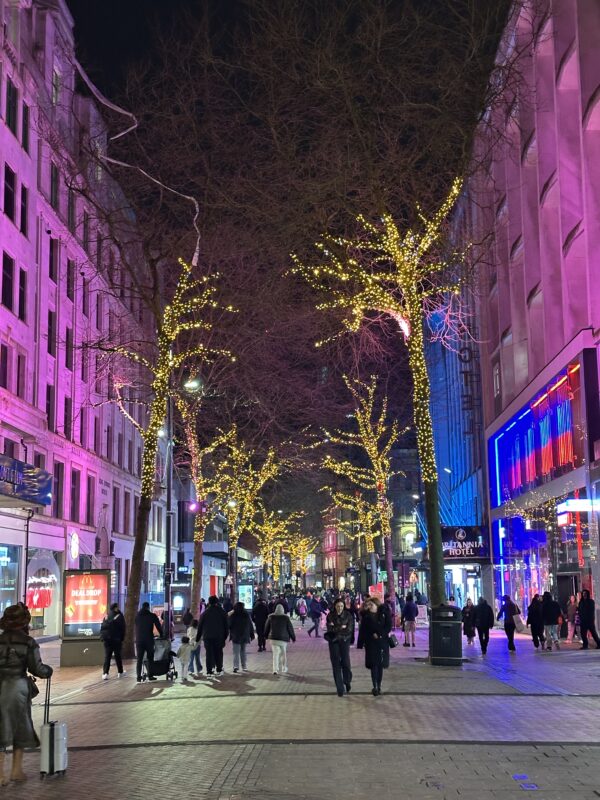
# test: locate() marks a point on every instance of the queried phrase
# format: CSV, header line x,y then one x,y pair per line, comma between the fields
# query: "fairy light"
x,y
272,530
365,522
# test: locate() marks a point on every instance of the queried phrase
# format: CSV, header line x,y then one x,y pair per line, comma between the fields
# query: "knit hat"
x,y
15,618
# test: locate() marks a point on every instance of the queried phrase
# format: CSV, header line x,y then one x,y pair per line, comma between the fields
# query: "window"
x,y
109,442
496,379
99,311
90,500
10,448
75,494
8,279
99,250
54,186
21,372
23,295
136,506
24,210
10,190
120,449
39,460
12,103
4,366
53,260
52,333
71,211
86,231
130,455
70,279
50,407
116,509
97,436
127,512
69,349
139,462
83,427
55,87
68,421
84,365
58,489
25,127
85,297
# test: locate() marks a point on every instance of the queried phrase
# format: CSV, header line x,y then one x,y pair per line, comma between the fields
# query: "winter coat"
x,y
468,619
145,623
19,654
551,612
191,633
410,612
185,652
213,625
535,617
372,636
260,612
508,610
484,617
340,627
187,618
587,612
571,612
301,608
241,630
315,609
113,628
280,628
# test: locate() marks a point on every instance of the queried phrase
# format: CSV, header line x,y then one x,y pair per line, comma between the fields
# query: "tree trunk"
x,y
389,567
426,450
374,575
134,584
198,566
233,568
265,579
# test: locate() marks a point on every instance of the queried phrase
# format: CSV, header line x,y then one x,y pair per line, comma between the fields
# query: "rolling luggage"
x,y
53,743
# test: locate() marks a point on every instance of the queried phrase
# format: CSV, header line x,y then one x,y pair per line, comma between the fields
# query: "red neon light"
x,y
556,385
539,400
578,536
571,370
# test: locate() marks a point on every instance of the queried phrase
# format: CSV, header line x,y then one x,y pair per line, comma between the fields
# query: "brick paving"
x,y
494,728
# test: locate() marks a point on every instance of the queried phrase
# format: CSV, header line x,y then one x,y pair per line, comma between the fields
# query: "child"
x,y
183,654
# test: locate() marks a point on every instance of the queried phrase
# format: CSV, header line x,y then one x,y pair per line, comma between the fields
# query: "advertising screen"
x,y
246,594
86,600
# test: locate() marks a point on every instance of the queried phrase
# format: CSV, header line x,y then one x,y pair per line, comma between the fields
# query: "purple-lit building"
x,y
55,412
540,307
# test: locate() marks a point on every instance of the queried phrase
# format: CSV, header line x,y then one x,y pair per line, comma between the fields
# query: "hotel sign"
x,y
465,543
22,484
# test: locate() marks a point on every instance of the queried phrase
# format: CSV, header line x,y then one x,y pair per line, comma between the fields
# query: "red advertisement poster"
x,y
86,599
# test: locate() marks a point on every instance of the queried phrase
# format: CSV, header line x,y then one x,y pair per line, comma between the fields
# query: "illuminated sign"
x,y
24,483
86,599
464,542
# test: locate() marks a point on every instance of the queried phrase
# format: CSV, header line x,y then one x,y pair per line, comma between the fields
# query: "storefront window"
x,y
43,592
9,575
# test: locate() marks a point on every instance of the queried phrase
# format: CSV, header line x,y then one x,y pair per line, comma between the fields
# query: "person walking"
x,y
260,613
213,630
508,611
373,633
340,635
301,610
314,611
195,659
188,617
468,621
483,620
572,619
241,633
535,621
279,630
145,624
19,654
408,620
587,619
552,616
112,633
184,654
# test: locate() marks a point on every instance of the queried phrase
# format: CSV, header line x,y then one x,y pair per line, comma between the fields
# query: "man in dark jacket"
x,y
551,614
587,619
508,611
213,630
340,635
112,633
315,610
260,612
484,621
408,619
145,623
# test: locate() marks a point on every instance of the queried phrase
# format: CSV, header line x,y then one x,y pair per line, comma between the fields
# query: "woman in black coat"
x,y
340,635
373,633
468,620
535,621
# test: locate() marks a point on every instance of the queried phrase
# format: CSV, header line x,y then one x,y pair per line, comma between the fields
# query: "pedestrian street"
x,y
489,729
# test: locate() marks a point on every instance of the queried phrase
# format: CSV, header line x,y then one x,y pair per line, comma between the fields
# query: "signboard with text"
x,y
246,594
86,600
377,590
22,484
465,543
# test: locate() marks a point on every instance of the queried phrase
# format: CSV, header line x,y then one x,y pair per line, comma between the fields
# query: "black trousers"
x,y
213,649
144,648
110,649
339,653
260,635
315,626
484,638
585,629
509,630
537,635
377,675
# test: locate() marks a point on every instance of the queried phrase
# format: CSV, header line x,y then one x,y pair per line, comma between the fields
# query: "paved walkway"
x,y
493,728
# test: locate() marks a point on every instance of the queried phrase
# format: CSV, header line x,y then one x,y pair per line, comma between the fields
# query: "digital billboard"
x,y
86,599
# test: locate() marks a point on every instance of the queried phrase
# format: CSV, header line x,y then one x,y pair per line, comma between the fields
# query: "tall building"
x,y
56,395
540,306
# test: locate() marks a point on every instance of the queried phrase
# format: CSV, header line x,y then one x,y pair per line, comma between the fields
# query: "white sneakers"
x,y
122,674
105,676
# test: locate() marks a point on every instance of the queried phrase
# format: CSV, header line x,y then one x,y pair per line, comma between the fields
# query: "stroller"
x,y
163,663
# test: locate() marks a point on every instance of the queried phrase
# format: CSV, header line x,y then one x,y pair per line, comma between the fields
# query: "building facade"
x,y
56,397
540,307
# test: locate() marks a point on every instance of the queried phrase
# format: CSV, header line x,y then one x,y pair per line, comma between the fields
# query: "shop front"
x,y
466,562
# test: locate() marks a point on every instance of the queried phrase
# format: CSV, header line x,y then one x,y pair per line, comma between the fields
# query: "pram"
x,y
163,663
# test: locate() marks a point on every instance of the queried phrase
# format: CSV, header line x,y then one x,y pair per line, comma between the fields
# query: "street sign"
x,y
229,581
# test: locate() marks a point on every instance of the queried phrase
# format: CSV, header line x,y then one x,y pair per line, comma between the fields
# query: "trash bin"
x,y
445,636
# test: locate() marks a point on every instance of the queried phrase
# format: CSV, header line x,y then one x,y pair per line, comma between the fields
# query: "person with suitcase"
x,y
19,654
112,633
145,624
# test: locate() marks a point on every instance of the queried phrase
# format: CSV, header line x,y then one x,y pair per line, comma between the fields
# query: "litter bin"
x,y
445,636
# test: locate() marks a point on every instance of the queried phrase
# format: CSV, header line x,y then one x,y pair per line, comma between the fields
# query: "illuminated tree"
x,y
274,530
300,547
386,273
242,475
374,436
364,524
177,344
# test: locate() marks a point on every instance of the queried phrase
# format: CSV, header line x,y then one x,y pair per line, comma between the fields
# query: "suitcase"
x,y
53,743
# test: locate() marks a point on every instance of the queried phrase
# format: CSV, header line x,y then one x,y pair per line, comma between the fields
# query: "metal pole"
x,y
169,528
30,513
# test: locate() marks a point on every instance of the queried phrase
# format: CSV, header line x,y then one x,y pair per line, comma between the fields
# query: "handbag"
x,y
393,640
519,624
329,636
33,687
